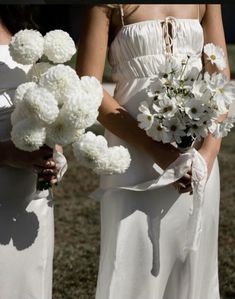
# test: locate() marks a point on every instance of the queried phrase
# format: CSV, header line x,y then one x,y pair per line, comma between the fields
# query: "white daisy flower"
x,y
159,133
220,130
222,87
26,46
145,118
166,107
59,47
155,87
199,87
27,136
175,128
219,104
198,131
194,109
215,55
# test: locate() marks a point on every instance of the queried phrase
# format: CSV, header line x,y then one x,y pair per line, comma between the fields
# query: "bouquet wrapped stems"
x,y
42,184
186,142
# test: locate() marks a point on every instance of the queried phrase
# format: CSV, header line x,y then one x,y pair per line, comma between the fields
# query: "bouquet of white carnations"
x,y
55,106
184,102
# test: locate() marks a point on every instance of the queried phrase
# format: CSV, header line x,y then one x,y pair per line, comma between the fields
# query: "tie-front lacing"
x,y
169,32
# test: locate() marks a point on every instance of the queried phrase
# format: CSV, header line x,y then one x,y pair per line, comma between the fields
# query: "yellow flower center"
x,y
213,57
168,108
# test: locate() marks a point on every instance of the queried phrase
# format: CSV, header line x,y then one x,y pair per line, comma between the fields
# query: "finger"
x,y
187,176
45,163
181,185
45,171
190,172
54,181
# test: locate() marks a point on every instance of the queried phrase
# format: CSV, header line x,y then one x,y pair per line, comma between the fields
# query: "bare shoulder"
x,y
93,41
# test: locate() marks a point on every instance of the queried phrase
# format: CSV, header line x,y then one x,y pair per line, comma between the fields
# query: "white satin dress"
x,y
143,234
26,216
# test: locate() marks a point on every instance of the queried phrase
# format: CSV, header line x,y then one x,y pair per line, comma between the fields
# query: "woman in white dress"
x,y
143,234
26,215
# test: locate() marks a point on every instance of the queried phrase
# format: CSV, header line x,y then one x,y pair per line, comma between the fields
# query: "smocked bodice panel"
x,y
138,47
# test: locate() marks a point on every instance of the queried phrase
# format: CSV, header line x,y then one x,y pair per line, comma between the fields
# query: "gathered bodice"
x,y
139,47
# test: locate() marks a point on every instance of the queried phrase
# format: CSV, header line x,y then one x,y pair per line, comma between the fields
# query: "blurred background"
x,y
77,217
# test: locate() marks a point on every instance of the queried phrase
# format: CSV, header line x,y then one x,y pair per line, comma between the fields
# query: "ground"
x,y
77,230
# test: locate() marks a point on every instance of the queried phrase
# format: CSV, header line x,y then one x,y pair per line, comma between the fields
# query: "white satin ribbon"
x,y
61,164
191,159
186,161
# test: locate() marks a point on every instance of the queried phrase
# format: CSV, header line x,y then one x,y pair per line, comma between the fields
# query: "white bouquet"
x,y
55,106
183,102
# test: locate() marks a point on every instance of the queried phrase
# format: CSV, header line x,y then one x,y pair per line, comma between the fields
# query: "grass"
x,y
77,230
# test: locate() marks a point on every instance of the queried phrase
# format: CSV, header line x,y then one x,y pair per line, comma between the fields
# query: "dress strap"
x,y
122,13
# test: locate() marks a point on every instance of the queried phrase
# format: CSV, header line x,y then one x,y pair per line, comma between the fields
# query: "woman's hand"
x,y
184,184
40,161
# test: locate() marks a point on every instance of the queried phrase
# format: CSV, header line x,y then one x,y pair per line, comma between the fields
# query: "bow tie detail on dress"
x,y
170,29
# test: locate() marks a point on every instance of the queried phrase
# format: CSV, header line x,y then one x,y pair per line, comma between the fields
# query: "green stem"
x,y
36,72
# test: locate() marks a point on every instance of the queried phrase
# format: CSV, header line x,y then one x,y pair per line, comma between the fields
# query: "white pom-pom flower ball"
x,y
27,136
78,112
41,105
118,161
21,90
93,88
59,47
90,150
60,133
62,81
19,114
26,46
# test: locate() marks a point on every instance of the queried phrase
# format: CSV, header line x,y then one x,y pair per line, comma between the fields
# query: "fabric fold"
x,y
191,159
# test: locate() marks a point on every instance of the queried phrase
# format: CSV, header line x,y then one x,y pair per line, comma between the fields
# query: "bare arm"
x,y
90,61
213,33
